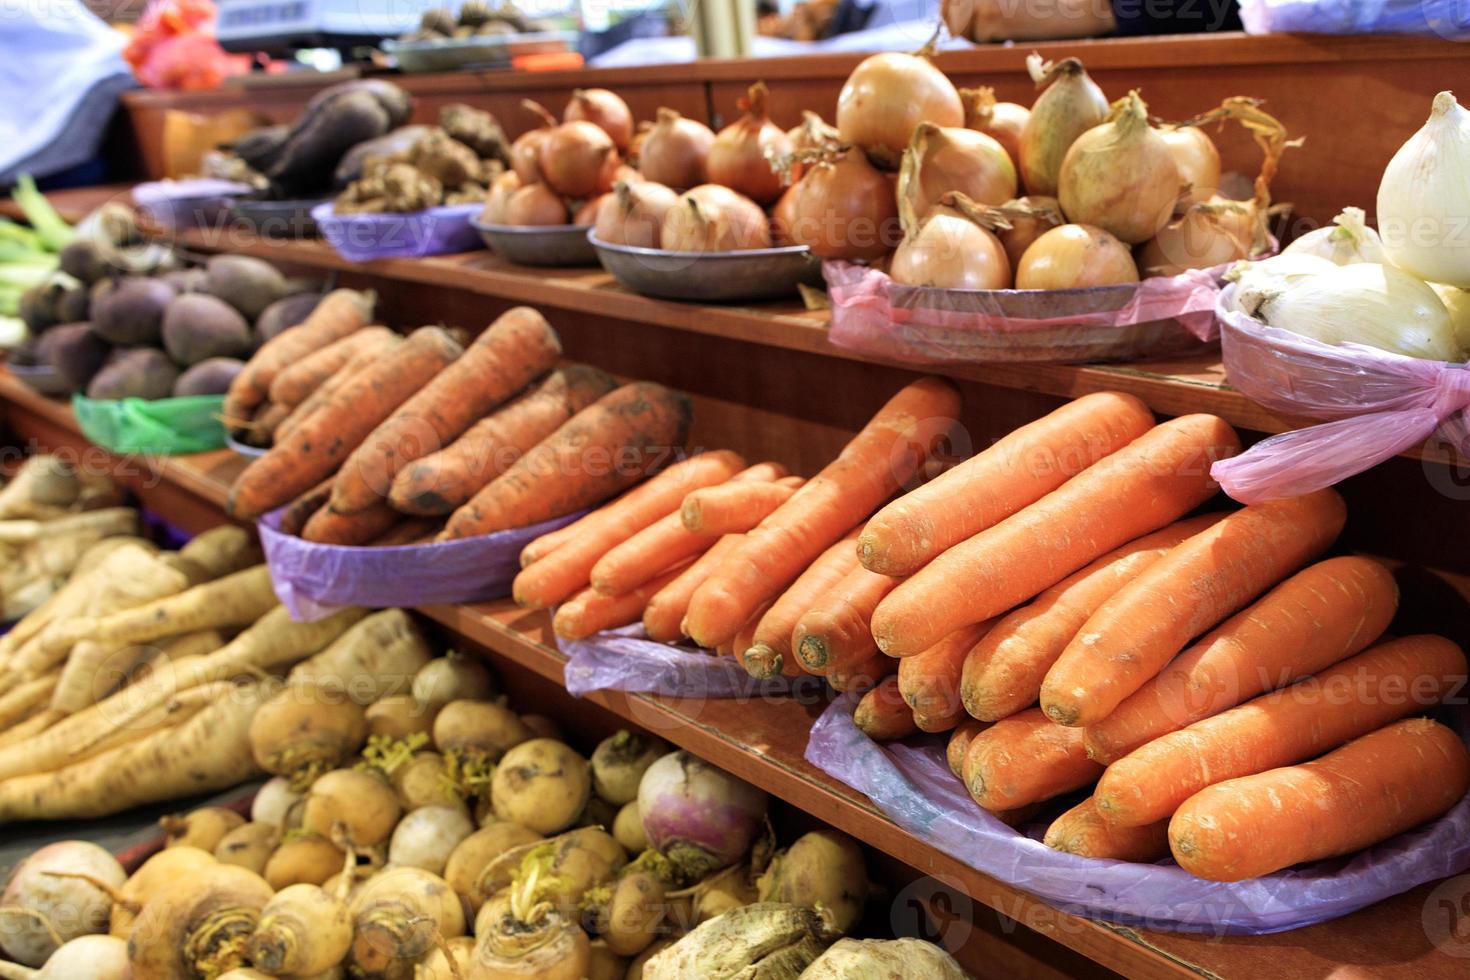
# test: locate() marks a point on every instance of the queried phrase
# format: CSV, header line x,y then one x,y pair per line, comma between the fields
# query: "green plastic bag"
x,y
166,427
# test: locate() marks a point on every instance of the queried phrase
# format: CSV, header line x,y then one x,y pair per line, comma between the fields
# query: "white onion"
x,y
1347,240
1424,198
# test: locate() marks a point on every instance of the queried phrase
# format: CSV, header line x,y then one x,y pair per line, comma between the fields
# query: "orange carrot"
x,y
930,681
1196,585
732,508
517,348
1317,617
1310,717
1156,479
862,675
665,611
882,714
1084,832
658,546
607,447
338,314
414,530
445,480
319,444
1004,671
296,382
589,612
1015,472
1371,789
743,639
327,526
834,633
771,651
327,392
1025,759
959,743
879,460
765,472
565,570
295,514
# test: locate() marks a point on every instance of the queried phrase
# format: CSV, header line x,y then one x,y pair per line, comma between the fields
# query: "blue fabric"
x,y
1445,18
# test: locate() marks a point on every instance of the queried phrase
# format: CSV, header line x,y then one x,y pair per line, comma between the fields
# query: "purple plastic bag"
x,y
1380,404
315,580
912,785
364,237
627,660
921,325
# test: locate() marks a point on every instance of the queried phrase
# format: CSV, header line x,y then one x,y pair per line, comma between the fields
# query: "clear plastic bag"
x,y
1445,18
912,785
1377,404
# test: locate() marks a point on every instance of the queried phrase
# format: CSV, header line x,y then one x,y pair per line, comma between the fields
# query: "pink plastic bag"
x,y
1163,315
1380,404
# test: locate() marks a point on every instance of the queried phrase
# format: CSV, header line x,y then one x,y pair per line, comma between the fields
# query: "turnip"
x,y
93,957
698,816
541,726
250,973
349,881
453,677
427,836
273,800
619,762
824,870
249,846
597,813
604,964
397,917
400,716
303,930
304,858
62,891
425,780
523,935
720,892
627,828
154,874
203,828
630,917
478,727
473,854
360,802
541,784
460,950
306,729
197,925
579,859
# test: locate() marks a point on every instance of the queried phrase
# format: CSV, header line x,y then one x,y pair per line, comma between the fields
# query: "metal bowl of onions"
x,y
539,244
745,275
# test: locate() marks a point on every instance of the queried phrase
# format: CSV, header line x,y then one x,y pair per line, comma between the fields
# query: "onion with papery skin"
x,y
711,218
535,205
1346,241
1457,302
1201,239
741,155
1120,176
1196,159
950,248
497,196
604,109
634,214
812,133
525,152
1003,122
1069,105
1424,198
1075,257
841,208
1029,217
888,95
675,150
577,159
1258,280
699,817
586,215
939,161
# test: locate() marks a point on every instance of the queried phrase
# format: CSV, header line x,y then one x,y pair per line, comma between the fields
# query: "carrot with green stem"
x,y
568,568
834,632
443,481
295,382
665,611
772,650
1015,472
1154,480
1197,584
1004,671
1314,619
883,715
1084,832
1026,759
734,507
889,450
590,612
1380,785
657,547
314,449
1312,716
930,681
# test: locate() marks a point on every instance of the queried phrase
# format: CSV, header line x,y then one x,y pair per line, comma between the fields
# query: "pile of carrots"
x,y
381,439
1060,606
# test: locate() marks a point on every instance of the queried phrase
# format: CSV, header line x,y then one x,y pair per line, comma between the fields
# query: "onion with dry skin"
x,y
940,160
888,95
1197,160
1203,237
1120,176
1029,217
535,205
634,214
1075,257
525,152
498,196
741,156
951,248
586,215
674,152
604,109
577,159
711,218
1069,105
841,208
1001,121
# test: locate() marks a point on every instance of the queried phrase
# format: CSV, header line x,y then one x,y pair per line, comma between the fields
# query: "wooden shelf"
x,y
763,741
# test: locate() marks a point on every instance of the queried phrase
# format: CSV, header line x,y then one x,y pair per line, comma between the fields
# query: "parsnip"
x,y
171,714
29,597
106,523
174,649
30,728
17,703
374,659
223,550
42,484
70,598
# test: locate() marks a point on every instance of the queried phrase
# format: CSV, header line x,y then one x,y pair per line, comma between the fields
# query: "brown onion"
x,y
535,205
498,196
1001,121
1069,105
1121,176
1197,160
812,133
888,95
1075,257
525,152
603,109
586,215
742,153
711,218
952,249
634,214
675,150
841,208
940,160
578,159
1206,236
1029,218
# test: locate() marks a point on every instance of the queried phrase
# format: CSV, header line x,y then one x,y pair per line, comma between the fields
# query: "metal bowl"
x,y
711,277
276,219
249,452
545,245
